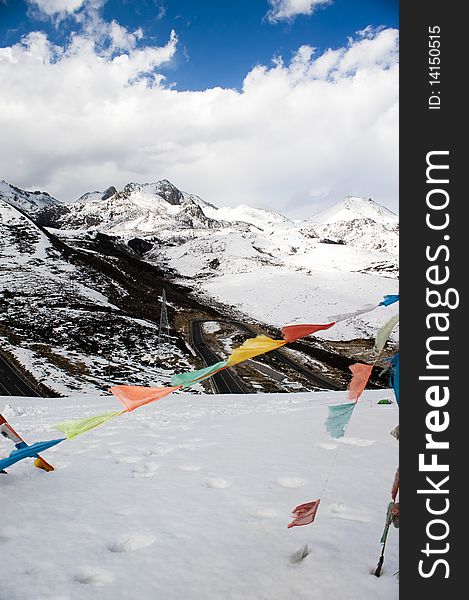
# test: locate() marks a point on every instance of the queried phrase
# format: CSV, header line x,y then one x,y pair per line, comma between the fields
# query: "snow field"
x,y
190,497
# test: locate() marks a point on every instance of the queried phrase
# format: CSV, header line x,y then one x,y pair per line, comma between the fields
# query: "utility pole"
x,y
163,333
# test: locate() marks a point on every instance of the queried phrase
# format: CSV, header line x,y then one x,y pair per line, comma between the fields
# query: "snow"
x,y
263,219
190,498
211,327
353,207
281,298
259,263
24,200
47,301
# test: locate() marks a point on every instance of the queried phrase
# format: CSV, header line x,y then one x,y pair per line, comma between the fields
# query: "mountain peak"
x,y
354,207
111,190
25,200
162,188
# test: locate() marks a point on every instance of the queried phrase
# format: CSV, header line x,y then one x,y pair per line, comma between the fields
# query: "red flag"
x,y
395,486
291,333
133,396
361,374
304,513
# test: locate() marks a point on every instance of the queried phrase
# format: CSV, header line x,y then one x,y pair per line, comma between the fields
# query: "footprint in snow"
x,y
132,542
116,450
339,511
291,482
189,467
357,441
327,445
146,470
92,576
128,460
216,483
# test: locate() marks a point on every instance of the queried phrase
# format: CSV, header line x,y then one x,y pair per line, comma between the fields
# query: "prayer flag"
x,y
338,419
133,396
394,378
343,317
395,485
74,428
361,374
26,451
304,513
385,331
292,333
389,299
254,347
186,379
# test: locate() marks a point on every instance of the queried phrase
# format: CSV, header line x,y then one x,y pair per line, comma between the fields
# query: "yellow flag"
x,y
254,347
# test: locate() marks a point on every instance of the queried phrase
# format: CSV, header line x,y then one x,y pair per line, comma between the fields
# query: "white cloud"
x,y
299,134
54,7
287,10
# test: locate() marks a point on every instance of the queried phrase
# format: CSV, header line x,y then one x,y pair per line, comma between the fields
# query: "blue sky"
x,y
219,40
288,105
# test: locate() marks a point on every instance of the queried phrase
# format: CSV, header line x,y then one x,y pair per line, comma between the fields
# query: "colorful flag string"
x,y
133,397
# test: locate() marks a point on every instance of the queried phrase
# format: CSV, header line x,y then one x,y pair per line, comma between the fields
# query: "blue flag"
x,y
27,451
394,376
389,299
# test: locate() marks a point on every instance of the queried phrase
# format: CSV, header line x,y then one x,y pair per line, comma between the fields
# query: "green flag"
x,y
187,379
338,418
74,428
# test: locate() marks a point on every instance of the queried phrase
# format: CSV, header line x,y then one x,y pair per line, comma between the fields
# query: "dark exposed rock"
x,y
109,192
329,241
309,233
193,216
169,192
140,246
51,216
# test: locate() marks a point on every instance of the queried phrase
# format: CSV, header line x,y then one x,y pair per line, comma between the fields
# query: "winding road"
x,y
224,382
315,378
12,382
231,384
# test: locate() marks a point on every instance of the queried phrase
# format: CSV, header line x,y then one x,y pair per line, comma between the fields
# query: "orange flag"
x,y
291,333
361,374
133,396
304,514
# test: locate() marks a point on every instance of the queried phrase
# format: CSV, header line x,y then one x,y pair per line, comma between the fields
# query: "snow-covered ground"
x,y
189,499
279,298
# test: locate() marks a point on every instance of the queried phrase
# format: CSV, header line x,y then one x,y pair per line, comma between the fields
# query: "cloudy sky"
x,y
282,104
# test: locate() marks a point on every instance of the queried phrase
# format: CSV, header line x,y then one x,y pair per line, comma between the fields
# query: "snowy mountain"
x,y
30,202
79,319
257,263
138,209
84,314
358,222
161,212
352,208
